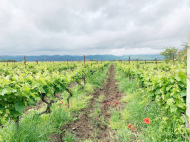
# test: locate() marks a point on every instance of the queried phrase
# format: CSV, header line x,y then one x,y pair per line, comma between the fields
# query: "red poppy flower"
x,y
115,104
132,127
115,101
147,120
65,104
62,102
108,103
129,126
68,105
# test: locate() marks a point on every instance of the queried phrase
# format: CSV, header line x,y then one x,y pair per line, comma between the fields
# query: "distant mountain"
x,y
79,58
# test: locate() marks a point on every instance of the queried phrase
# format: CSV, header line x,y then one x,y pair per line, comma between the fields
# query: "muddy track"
x,y
93,122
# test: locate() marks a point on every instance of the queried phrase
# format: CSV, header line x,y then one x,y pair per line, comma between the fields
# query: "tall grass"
x,y
162,127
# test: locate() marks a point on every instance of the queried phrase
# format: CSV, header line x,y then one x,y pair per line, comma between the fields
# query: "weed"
x,y
162,127
103,120
68,137
100,98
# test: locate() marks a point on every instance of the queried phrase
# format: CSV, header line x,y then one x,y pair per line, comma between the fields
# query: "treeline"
x,y
9,60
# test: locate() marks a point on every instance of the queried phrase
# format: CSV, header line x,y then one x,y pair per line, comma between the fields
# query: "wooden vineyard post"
x,y
84,80
37,62
67,63
129,60
84,60
129,75
14,62
84,67
188,81
173,60
121,61
25,61
7,63
156,61
101,63
145,62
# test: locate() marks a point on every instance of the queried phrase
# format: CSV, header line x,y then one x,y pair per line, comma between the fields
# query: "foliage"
x,y
169,53
164,83
164,126
22,87
37,128
182,54
9,60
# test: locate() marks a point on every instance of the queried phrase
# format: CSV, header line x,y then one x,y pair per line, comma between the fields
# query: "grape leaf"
x,y
19,107
3,92
177,78
173,108
183,93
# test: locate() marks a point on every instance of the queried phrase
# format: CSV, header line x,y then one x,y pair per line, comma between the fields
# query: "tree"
x,y
169,53
182,54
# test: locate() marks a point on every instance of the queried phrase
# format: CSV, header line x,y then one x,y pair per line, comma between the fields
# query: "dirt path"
x,y
93,122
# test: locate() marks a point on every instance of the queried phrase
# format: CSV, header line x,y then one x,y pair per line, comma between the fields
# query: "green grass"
x,y
163,128
103,120
100,98
68,137
87,140
35,128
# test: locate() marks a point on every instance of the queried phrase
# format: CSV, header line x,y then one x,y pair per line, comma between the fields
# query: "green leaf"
x,y
15,113
3,92
180,104
171,80
37,99
181,84
182,75
183,93
170,101
151,94
168,88
19,107
173,108
7,90
1,108
158,91
177,78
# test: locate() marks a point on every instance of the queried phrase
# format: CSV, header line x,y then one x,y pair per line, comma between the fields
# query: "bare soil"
x,y
89,126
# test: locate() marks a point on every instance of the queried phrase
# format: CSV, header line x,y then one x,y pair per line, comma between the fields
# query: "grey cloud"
x,y
92,26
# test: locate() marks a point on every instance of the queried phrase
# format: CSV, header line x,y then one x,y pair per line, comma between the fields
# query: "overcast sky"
x,y
88,27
